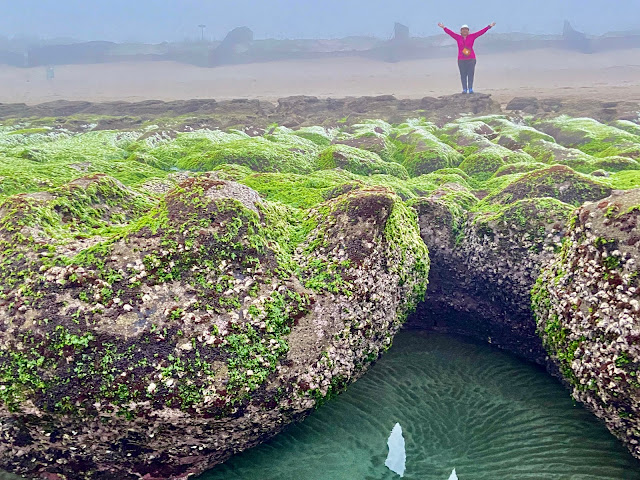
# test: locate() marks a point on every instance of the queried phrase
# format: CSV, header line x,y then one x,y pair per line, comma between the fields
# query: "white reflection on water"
x,y
397,457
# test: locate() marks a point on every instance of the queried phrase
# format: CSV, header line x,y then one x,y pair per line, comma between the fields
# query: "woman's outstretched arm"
x,y
483,31
449,32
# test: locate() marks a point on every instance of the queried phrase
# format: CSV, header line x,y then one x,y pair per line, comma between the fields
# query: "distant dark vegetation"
x,y
239,46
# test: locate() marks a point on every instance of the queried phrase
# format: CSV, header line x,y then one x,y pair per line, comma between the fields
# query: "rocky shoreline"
x,y
182,280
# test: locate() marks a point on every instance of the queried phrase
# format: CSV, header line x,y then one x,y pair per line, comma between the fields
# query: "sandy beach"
x,y
541,73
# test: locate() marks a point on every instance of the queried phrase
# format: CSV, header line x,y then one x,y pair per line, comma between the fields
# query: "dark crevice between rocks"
x,y
461,302
474,310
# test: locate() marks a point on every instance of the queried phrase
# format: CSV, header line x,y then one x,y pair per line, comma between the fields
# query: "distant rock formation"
x,y
396,48
400,32
233,48
575,40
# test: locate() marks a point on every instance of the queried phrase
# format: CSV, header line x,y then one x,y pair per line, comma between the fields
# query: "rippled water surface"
x,y
460,404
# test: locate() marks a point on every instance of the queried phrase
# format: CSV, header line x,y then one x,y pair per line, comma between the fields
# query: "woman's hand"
x,y
441,25
493,24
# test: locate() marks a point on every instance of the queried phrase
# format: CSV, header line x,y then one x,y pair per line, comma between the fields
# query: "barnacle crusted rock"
x,y
587,306
156,319
199,329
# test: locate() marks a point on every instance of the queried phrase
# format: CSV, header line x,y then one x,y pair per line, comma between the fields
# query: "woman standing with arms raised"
x,y
466,55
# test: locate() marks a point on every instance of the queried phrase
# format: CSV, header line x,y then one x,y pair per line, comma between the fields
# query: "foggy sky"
x,y
174,20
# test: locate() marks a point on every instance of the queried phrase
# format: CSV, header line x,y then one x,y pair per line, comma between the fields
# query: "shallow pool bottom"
x,y
461,405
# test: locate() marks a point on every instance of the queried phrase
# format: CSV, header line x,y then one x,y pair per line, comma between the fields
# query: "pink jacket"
x,y
466,42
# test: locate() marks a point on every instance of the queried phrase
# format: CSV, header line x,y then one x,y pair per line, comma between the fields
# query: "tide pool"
x,y
462,405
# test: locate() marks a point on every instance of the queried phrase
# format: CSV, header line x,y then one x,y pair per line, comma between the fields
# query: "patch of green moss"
x,y
591,136
467,136
29,131
303,191
512,135
530,219
402,234
259,154
625,180
515,168
421,151
317,135
557,182
358,161
628,126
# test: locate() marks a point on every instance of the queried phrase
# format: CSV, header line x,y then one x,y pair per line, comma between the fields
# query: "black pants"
x,y
467,72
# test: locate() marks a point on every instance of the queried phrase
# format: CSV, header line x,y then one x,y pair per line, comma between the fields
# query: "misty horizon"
x,y
148,21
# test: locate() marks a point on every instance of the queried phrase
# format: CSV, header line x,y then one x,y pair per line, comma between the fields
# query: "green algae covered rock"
x,y
257,153
175,294
553,153
587,306
628,126
591,136
318,135
466,135
483,156
358,161
422,152
515,168
445,175
488,160
194,331
558,182
515,136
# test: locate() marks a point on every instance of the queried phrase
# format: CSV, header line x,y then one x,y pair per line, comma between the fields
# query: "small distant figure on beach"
x,y
50,73
466,55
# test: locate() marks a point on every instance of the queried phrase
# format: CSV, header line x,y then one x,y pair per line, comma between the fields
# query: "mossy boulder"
x,y
370,135
516,168
557,182
361,162
616,163
587,306
39,225
370,143
257,153
467,136
195,331
446,175
628,126
514,136
318,135
476,140
422,152
591,136
488,160
553,153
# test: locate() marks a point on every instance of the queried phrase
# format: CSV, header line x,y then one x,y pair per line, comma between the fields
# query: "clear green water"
x,y
460,404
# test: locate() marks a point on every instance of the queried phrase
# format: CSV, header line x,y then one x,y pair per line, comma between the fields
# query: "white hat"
x,y
464,26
